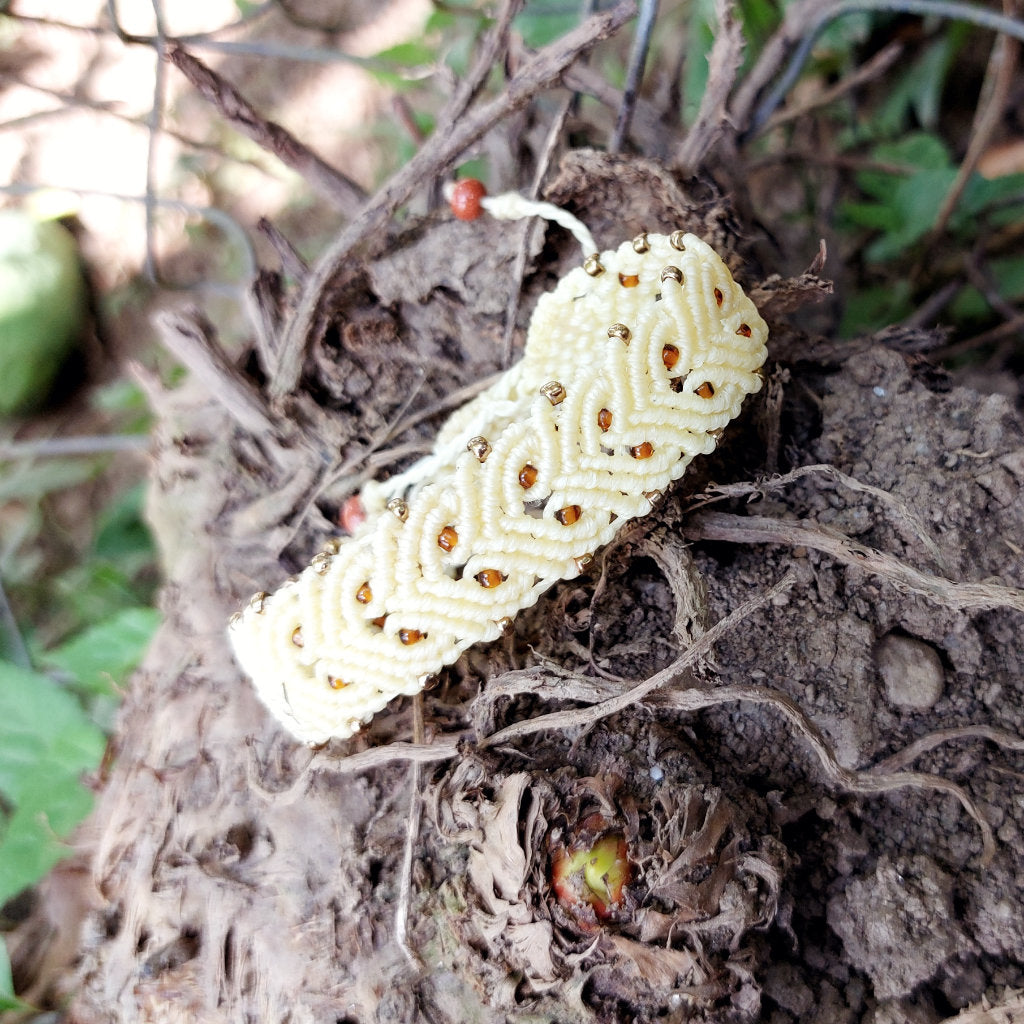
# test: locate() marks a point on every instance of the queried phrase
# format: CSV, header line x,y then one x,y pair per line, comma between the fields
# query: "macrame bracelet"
x,y
633,365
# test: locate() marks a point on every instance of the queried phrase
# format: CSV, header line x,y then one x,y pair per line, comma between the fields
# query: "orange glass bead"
x,y
527,476
669,356
447,538
743,330
488,578
604,419
644,450
465,198
569,515
335,683
364,595
410,636
706,390
629,280
719,296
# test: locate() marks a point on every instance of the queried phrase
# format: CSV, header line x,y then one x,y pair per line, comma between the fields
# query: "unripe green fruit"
x,y
42,306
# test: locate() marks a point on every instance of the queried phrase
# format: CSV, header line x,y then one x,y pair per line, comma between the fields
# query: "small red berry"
x,y
465,198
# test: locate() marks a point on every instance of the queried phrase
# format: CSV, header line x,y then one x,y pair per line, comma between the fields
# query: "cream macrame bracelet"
x,y
632,366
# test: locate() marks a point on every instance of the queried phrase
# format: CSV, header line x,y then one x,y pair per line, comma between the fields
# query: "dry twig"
x,y
801,533
903,516
723,63
343,193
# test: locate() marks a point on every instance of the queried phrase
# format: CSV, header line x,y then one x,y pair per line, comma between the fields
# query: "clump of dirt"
x,y
233,873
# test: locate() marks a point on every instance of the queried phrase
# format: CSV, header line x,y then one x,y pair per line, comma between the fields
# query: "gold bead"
x,y
320,563
717,434
553,392
653,496
479,446
505,623
620,331
676,240
592,265
297,638
235,619
397,507
673,273
583,562
640,243
258,602
332,545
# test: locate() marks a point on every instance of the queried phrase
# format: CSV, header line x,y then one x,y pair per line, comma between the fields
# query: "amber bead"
x,y
488,578
364,595
447,538
629,280
569,515
743,330
379,621
527,476
719,296
669,356
604,419
644,450
706,390
410,636
335,683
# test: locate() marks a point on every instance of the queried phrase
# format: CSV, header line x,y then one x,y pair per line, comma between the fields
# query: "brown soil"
x,y
230,874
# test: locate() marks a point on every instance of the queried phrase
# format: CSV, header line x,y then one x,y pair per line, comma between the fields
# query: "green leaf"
x,y
872,308
8,1000
121,534
41,724
918,91
51,805
46,743
408,55
29,481
100,658
907,203
699,39
1007,275
543,21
